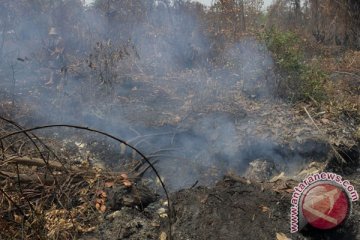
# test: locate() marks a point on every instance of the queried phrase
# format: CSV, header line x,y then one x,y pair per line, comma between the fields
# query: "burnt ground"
x,y
232,208
216,130
236,209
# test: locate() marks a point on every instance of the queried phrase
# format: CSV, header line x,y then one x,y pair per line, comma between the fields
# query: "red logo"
x,y
325,206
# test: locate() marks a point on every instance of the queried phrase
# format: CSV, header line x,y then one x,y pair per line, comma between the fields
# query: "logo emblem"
x,y
325,206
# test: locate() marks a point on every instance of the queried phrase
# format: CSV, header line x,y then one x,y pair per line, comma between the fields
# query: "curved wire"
x,y
112,137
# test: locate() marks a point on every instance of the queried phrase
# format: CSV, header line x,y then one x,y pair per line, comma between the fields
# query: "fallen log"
x,y
38,162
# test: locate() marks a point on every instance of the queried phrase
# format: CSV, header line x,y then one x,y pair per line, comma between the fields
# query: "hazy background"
x,y
155,76
206,2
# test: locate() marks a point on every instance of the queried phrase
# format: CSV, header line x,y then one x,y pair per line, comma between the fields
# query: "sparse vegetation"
x,y
298,80
180,81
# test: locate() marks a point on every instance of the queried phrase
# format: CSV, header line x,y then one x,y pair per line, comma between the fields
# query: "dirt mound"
x,y
230,210
238,210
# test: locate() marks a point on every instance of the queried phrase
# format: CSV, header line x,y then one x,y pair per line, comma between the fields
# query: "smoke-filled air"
x,y
157,96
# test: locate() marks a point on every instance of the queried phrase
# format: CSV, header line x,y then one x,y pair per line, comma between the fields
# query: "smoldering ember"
x,y
175,119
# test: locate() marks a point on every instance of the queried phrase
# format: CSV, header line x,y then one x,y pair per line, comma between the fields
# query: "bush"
x,y
297,80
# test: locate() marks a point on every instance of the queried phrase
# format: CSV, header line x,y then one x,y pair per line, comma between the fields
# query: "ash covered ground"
x,y
202,99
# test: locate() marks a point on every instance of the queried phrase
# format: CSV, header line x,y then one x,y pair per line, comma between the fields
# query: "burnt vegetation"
x,y
108,106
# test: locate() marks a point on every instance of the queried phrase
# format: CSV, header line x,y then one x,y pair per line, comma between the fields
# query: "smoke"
x,y
144,71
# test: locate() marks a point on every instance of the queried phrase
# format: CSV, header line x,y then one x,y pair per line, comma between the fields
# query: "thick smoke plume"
x,y
146,71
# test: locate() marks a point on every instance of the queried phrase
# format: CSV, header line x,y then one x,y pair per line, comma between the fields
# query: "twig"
x,y
36,137
2,149
21,190
194,185
37,148
337,154
38,162
16,206
114,138
140,170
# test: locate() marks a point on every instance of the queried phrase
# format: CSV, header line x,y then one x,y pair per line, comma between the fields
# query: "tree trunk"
x,y
242,16
297,11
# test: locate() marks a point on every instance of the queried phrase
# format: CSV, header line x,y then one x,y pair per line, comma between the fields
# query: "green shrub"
x,y
297,80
